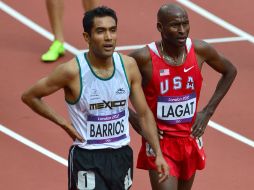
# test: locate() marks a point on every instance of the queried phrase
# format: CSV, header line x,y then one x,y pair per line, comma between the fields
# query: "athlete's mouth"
x,y
108,46
181,39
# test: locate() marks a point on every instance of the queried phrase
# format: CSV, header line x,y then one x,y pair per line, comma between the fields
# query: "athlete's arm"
x,y
206,53
60,78
143,60
134,121
146,119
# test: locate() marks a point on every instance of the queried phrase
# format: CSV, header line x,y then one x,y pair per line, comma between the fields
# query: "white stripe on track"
x,y
211,41
224,40
217,20
33,145
231,133
32,25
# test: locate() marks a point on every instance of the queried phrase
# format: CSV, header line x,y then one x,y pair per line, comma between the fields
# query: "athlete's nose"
x,y
181,28
108,35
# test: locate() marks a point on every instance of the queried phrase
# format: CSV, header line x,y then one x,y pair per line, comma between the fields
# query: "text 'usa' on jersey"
x,y
173,91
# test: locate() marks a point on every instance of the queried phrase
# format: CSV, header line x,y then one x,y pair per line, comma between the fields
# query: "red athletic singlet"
x,y
173,92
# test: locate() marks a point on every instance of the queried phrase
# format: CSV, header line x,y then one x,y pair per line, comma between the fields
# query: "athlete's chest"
x,y
170,80
105,96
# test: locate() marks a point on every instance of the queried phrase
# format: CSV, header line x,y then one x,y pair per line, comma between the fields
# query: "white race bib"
x,y
176,109
106,129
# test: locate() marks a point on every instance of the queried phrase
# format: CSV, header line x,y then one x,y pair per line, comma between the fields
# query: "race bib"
x,y
176,109
106,129
86,180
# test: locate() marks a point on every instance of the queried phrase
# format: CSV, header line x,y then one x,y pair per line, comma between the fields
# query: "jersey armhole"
x,y
80,84
121,59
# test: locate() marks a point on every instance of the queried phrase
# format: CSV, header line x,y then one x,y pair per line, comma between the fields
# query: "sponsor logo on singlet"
x,y
106,129
120,91
176,109
109,104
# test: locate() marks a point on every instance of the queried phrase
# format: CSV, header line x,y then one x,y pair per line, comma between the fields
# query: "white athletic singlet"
x,y
100,115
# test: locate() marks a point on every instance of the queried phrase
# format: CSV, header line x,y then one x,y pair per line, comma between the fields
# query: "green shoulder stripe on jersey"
x,y
80,83
124,70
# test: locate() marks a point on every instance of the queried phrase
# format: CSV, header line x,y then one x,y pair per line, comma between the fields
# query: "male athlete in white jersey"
x,y
97,86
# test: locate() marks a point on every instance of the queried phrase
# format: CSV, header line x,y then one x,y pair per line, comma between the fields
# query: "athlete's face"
x,y
102,40
174,27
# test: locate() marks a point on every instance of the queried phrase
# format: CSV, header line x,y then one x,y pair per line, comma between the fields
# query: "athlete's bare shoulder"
x,y
207,53
144,62
200,45
142,56
131,67
69,69
204,51
64,74
127,59
130,63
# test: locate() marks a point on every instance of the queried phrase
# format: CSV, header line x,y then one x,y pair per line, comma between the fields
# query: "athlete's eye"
x,y
100,30
114,29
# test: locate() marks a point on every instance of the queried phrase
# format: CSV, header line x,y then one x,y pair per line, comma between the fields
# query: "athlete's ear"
x,y
86,37
159,26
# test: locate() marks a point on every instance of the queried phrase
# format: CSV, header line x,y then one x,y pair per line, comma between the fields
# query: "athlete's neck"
x,y
99,62
172,50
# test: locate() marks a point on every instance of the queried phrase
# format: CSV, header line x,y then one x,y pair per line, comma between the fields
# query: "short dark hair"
x,y
102,11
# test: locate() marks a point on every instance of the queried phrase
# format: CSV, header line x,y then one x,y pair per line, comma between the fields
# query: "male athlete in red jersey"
x,y
171,71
